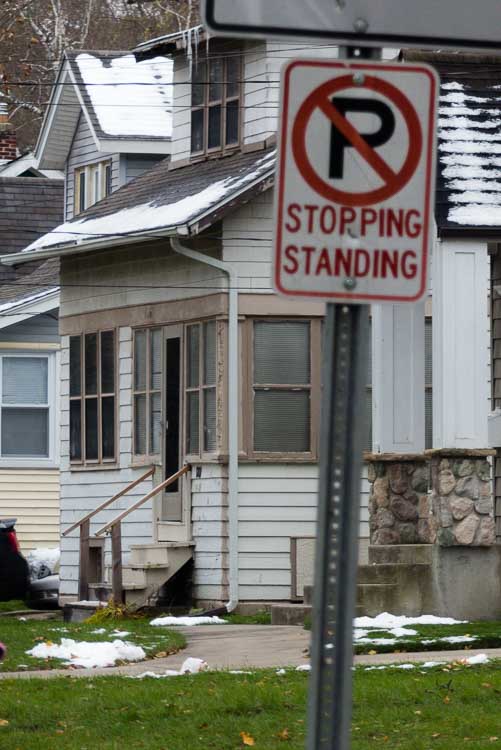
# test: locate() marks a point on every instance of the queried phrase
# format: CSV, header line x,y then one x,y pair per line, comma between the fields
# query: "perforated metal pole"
x,y
342,439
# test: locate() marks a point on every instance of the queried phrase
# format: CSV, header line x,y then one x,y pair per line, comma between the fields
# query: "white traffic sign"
x,y
355,180
435,23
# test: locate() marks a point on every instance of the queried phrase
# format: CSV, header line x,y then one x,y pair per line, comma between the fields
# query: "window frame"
x,y
83,397
52,458
249,386
222,102
104,170
201,389
148,457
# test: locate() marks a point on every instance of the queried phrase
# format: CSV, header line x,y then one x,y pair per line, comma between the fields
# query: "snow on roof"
x,y
29,299
112,83
469,149
171,199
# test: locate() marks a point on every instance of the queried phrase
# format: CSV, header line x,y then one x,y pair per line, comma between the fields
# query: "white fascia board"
x,y
142,146
23,310
50,113
84,108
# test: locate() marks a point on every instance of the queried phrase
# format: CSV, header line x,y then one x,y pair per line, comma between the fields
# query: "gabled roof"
x,y
29,207
127,105
468,198
161,202
26,166
28,290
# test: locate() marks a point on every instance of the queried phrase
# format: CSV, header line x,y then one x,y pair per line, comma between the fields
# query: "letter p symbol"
x,y
339,142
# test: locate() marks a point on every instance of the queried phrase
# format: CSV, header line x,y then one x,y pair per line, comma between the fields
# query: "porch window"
x,y
147,392
92,184
93,397
215,104
27,403
282,387
201,359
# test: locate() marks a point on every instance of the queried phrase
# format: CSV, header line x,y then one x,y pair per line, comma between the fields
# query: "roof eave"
x,y
488,233
162,146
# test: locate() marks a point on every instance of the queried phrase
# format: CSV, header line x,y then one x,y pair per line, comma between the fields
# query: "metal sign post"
x,y
343,429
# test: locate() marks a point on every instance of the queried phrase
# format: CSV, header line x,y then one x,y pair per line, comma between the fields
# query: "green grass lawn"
x,y
487,635
20,636
12,606
459,708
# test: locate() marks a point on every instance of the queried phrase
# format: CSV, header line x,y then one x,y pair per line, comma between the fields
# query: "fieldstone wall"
x,y
399,505
461,497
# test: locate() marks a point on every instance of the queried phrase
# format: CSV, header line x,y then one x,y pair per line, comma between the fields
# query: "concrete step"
x,y
384,573
308,594
409,554
374,598
160,553
289,614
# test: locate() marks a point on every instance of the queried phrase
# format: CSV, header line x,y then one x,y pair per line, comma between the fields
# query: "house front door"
x,y
173,515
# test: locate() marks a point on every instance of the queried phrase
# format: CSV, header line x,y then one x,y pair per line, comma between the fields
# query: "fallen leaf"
x,y
418,713
447,699
371,653
3,722
493,739
161,655
247,739
435,735
486,684
284,735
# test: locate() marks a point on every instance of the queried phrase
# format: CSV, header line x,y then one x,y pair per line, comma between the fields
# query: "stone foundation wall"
x,y
462,498
441,496
399,506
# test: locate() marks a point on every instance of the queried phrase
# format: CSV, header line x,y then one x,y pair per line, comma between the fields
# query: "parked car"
x,y
43,592
14,572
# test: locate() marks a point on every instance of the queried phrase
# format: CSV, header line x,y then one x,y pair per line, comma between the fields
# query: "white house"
x,y
177,352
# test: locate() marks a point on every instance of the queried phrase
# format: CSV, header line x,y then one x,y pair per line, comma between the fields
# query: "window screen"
x,y
282,386
25,407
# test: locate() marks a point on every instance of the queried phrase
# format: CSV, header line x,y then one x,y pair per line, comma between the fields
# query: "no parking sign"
x,y
355,181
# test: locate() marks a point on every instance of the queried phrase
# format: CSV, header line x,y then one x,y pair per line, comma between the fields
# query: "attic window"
x,y
92,184
215,104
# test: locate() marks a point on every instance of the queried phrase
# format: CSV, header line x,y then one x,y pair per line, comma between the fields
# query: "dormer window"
x,y
92,184
215,104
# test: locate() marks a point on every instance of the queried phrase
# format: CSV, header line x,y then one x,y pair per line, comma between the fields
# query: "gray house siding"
x,y
136,164
83,151
40,329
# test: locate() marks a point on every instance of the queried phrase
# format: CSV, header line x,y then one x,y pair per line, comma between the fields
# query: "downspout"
x,y
233,408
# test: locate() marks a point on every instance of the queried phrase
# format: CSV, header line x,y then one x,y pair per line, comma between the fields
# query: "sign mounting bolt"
x,y
361,26
358,78
349,283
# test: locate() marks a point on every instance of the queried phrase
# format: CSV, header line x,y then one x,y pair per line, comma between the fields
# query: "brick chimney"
x,y
8,141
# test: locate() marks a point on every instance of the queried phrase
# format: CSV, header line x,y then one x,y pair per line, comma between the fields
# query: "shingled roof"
x,y
29,207
163,202
468,198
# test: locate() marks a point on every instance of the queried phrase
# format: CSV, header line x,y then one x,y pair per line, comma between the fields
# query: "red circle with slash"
x,y
393,181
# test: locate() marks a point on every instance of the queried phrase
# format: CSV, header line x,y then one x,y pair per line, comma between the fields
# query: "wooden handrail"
x,y
104,505
152,493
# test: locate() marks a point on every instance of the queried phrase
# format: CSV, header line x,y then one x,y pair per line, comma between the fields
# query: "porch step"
x,y
383,573
162,553
289,614
407,554
151,566
374,598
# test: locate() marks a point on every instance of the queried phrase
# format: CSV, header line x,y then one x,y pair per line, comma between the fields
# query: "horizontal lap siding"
x,y
209,497
277,502
83,491
31,496
40,329
83,151
247,238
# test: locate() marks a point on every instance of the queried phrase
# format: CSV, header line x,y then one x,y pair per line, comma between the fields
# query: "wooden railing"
x,y
84,523
114,528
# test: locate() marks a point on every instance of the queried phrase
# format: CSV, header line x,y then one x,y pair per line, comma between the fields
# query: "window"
x,y
92,397
215,104
92,184
26,413
284,385
147,392
201,359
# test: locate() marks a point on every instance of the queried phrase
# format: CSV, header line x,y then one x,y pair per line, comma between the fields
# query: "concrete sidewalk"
x,y
246,647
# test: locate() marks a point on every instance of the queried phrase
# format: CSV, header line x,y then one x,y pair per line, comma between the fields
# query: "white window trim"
x,y
90,171
53,400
